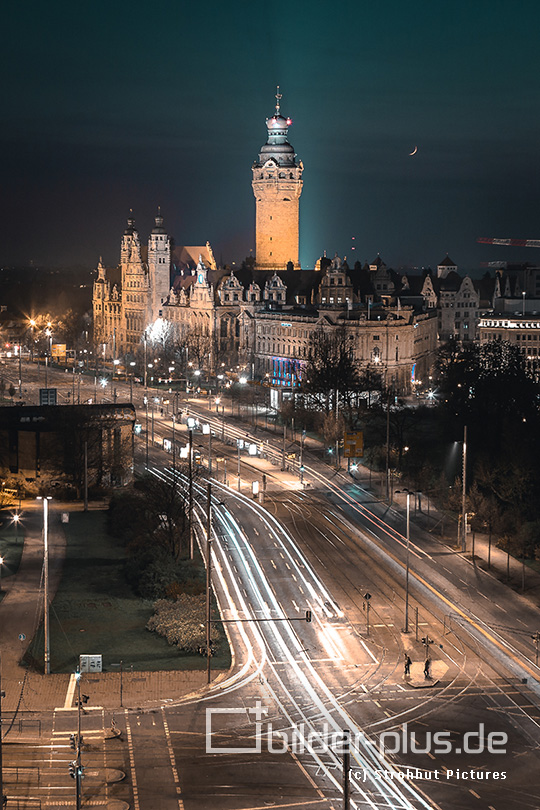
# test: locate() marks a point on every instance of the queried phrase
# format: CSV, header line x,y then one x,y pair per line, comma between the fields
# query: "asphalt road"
x,y
323,551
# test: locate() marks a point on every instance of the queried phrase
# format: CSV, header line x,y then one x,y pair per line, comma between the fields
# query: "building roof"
x,y
447,262
188,256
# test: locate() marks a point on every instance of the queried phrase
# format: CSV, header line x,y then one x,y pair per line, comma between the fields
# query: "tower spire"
x,y
279,96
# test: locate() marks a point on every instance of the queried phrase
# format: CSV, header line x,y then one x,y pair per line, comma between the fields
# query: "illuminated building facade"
x,y
129,298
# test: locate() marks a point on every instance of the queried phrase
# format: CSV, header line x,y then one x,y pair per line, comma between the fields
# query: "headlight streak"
x,y
318,694
378,522
240,678
376,761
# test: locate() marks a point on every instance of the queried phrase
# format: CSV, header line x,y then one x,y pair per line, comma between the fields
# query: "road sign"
x,y
353,444
21,637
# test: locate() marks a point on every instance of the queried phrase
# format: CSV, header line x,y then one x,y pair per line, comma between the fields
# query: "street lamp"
x,y
464,494
47,653
408,493
1,564
16,519
32,327
49,339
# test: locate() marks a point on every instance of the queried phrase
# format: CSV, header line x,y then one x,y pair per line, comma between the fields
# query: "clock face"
x,y
200,278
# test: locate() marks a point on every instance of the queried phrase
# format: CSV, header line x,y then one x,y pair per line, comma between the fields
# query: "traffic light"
x,y
308,615
75,770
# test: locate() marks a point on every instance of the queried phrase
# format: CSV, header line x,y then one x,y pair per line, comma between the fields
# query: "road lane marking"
x,y
70,692
132,763
474,794
172,759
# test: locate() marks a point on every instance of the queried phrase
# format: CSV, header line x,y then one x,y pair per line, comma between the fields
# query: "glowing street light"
x,y
16,519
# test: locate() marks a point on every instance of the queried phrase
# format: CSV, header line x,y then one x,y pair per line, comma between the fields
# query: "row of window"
x,y
338,300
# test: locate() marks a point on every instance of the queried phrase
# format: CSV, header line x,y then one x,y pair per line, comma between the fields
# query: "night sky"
x,y
111,106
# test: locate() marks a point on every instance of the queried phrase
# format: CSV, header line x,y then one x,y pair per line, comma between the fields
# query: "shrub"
x,y
183,623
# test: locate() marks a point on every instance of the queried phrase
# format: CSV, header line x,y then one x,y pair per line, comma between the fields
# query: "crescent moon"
x,y
415,150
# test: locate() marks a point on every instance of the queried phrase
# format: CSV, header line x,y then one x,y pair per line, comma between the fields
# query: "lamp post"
x,y
190,494
146,404
145,339
132,364
16,519
406,628
208,577
464,494
32,326
78,765
47,653
238,448
1,564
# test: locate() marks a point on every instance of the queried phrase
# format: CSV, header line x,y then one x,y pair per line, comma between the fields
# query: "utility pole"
x,y
238,448
210,452
20,371
174,449
366,606
78,765
388,444
86,476
190,502
408,493
47,651
145,366
283,450
3,797
302,437
464,494
146,403
346,769
208,577
536,639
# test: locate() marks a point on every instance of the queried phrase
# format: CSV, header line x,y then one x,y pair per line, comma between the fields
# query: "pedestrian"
x,y
427,667
408,663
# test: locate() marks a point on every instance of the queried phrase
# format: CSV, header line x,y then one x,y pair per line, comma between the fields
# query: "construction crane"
x,y
534,243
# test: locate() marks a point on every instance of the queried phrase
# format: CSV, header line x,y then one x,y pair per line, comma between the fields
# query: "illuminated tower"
x,y
159,267
277,185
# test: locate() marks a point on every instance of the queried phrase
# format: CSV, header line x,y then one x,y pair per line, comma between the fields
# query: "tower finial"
x,y
278,99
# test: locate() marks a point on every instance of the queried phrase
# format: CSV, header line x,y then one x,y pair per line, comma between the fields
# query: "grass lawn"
x,y
95,611
11,545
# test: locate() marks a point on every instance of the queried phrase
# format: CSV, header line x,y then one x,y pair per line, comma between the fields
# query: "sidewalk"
x,y
21,612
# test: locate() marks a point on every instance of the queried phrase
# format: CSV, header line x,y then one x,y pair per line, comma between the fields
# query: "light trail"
x,y
285,646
